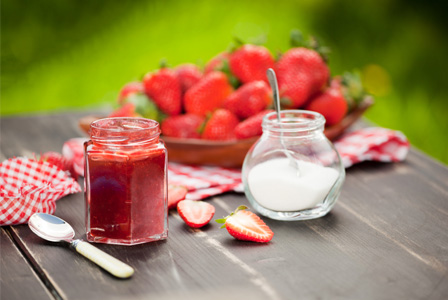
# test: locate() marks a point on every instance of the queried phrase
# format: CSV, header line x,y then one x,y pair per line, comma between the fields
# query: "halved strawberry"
x,y
176,193
246,226
195,214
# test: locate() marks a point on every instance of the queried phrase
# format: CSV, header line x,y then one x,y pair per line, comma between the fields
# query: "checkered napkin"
x,y
375,144
28,186
204,181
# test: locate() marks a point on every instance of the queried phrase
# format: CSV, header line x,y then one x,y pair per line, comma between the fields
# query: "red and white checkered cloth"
x,y
204,181
28,186
375,144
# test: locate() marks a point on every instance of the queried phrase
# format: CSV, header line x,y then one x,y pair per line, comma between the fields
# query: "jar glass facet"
x,y
125,182
293,172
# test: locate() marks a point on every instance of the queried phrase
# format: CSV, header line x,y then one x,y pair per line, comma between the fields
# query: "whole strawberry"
x,y
183,126
301,73
250,62
220,126
217,63
188,75
57,160
249,99
164,89
331,103
73,152
127,110
251,126
131,88
208,94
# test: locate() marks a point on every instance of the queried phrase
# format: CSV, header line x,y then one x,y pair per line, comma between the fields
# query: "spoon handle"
x,y
274,87
102,259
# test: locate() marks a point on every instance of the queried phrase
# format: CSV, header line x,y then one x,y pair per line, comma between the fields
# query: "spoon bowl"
x,y
51,228
54,229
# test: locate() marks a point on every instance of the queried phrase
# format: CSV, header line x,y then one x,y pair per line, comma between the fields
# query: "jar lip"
x,y
124,131
120,124
294,121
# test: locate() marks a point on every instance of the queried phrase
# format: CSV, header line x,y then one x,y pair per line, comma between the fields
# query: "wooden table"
x,y
386,238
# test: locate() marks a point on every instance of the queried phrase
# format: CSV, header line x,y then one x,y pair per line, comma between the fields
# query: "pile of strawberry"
x,y
229,97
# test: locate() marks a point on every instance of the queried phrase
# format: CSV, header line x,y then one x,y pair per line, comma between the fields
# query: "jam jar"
x,y
125,182
293,172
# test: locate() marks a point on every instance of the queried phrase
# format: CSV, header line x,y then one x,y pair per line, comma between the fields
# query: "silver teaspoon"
x,y
54,229
274,86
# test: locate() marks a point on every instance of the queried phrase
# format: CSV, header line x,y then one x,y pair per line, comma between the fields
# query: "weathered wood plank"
x,y
18,280
386,238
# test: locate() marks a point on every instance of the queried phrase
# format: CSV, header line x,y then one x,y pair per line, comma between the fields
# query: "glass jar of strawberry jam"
x,y
126,182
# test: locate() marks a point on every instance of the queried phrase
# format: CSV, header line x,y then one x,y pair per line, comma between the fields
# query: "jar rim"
x,y
124,131
121,122
294,121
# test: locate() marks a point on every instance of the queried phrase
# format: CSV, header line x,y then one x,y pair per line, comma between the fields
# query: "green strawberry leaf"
x,y
234,82
163,63
353,88
296,38
145,107
223,220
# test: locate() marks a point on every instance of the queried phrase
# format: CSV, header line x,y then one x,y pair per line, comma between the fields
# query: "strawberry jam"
x,y
126,182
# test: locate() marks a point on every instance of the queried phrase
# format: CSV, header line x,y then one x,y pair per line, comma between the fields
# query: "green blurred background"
x,y
75,55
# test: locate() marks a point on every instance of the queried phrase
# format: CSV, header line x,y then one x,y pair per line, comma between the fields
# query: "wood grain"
x,y
18,280
386,238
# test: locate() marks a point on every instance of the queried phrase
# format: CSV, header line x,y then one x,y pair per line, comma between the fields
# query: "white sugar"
x,y
276,186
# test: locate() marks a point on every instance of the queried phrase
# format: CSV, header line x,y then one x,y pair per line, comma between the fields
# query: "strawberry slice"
x,y
246,226
176,193
195,213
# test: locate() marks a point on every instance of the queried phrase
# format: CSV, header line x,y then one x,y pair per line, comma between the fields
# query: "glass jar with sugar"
x,y
293,172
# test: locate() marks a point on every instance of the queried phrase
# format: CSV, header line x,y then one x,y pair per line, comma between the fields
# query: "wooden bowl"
x,y
229,154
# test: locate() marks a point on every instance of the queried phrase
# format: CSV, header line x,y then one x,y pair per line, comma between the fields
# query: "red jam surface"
x,y
126,187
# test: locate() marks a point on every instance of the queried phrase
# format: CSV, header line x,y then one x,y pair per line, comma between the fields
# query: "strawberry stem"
x,y
223,220
241,207
163,63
